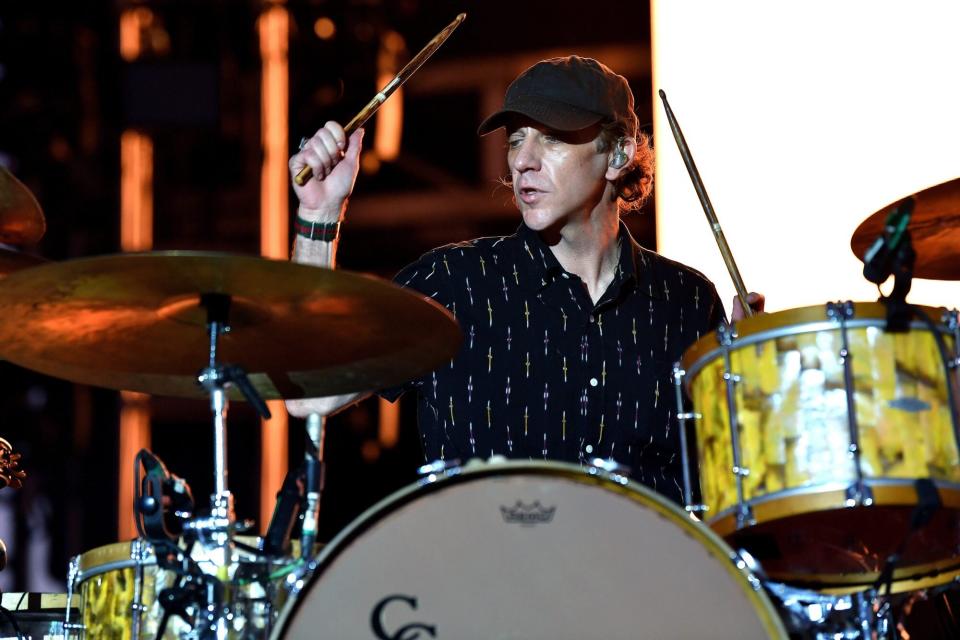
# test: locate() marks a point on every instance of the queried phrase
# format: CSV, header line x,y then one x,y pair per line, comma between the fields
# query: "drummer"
x,y
570,327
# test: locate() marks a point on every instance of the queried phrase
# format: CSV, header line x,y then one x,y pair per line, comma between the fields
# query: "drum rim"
x,y
112,557
789,322
478,469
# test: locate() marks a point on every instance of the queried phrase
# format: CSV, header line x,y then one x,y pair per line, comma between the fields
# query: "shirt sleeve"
x,y
429,276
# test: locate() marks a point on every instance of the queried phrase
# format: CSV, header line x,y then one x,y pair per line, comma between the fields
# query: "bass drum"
x,y
528,550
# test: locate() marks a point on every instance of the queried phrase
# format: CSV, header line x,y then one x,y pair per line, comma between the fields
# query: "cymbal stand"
x,y
215,530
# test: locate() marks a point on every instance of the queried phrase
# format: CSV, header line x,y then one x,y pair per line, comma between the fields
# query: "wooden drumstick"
x,y
707,207
411,68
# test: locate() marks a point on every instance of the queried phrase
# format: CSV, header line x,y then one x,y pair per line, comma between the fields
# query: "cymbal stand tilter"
x,y
215,530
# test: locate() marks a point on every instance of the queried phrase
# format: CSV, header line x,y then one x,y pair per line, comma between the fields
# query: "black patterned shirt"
x,y
543,373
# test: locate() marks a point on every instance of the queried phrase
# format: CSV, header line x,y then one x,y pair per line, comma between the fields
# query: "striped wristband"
x,y
312,230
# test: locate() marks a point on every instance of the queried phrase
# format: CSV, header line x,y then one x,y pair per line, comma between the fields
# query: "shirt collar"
x,y
537,267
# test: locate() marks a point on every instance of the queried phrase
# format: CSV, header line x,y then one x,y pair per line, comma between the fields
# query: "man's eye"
x,y
513,143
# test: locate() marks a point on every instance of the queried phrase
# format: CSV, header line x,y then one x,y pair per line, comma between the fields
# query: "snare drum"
x,y
116,588
810,460
528,550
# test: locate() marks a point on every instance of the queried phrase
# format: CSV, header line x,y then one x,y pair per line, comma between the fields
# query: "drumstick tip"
x,y
461,17
663,95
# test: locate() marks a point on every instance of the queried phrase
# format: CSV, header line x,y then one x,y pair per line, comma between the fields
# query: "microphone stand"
x,y
315,474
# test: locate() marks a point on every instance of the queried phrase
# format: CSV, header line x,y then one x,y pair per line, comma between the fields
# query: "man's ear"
x,y
620,157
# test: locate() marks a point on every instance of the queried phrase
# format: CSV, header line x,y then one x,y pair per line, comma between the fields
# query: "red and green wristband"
x,y
311,230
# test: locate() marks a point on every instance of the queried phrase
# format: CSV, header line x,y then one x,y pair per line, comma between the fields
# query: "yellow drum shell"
x,y
114,578
793,431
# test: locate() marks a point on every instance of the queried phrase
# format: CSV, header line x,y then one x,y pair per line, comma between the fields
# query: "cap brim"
x,y
556,115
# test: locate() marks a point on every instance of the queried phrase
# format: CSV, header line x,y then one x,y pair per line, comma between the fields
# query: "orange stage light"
x,y
273,28
136,234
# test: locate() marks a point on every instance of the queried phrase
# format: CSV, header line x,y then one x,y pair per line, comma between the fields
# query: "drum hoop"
x,y
111,557
791,322
478,470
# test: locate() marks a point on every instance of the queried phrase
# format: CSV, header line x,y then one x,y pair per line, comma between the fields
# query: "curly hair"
x,y
633,187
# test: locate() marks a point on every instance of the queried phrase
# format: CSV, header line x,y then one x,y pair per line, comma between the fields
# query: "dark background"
x,y
65,97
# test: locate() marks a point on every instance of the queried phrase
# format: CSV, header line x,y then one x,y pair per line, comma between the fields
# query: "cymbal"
x,y
11,261
21,219
133,322
934,231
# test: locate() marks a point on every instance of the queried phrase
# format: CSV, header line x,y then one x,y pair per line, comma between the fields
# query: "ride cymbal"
x,y
133,322
934,231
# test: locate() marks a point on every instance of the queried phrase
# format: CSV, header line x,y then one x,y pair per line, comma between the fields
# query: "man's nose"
x,y
527,157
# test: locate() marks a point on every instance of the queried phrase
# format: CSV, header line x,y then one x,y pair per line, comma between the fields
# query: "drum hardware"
x,y
858,494
685,454
610,469
432,471
744,513
818,616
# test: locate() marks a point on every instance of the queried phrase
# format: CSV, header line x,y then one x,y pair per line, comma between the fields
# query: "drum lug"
x,y
750,567
840,311
859,495
611,469
745,516
73,571
726,334
743,472
433,471
696,508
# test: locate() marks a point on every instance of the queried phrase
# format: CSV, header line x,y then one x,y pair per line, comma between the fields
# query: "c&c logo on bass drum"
x,y
410,631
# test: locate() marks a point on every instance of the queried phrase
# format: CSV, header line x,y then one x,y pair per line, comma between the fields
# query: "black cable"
x,y
8,615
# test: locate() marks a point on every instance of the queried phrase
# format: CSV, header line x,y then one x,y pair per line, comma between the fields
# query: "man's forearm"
x,y
321,252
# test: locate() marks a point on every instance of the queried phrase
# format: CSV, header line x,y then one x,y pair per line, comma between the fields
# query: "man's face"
x,y
557,176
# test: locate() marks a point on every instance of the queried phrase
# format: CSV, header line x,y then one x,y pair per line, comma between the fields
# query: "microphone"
x,y
878,261
163,500
276,541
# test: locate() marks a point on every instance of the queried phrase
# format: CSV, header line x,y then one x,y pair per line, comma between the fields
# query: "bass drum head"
x,y
527,550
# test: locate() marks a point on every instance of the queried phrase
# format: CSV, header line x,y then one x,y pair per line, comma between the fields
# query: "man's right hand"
x,y
334,161
303,407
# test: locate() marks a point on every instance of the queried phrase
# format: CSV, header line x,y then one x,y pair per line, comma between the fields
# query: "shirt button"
x,y
588,448
592,319
593,382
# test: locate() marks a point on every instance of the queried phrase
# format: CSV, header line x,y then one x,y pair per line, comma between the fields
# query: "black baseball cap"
x,y
567,94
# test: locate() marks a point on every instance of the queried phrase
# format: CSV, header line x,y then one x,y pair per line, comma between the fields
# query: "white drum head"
x,y
527,550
